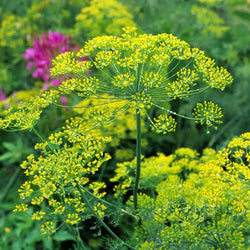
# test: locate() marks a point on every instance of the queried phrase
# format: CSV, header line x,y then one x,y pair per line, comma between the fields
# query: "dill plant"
x,y
137,72
143,72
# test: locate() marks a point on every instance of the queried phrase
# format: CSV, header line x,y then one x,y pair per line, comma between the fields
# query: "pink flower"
x,y
63,100
55,82
2,94
45,86
44,50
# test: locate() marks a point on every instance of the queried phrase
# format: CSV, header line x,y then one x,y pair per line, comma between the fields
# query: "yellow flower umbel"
x,y
66,162
143,71
102,17
26,113
208,19
195,202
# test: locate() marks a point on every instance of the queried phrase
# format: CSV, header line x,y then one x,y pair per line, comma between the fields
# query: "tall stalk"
x,y
138,155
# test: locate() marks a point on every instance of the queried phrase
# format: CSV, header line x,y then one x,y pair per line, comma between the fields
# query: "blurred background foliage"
x,y
220,28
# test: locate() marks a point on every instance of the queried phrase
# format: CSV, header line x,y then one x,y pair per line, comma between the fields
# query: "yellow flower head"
x,y
144,71
102,17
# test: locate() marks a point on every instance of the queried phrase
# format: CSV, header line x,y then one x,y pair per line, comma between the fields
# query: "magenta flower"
x,y
63,100
44,50
2,94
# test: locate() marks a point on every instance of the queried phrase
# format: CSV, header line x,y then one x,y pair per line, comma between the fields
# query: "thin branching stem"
x,y
108,203
43,140
174,113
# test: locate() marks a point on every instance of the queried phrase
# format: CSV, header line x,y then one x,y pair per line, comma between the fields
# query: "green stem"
x,y
39,136
174,113
86,201
79,243
43,140
138,155
109,204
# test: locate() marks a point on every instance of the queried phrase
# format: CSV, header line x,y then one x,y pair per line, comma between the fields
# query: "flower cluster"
x,y
44,50
66,161
164,124
144,71
155,169
137,71
208,113
102,18
201,201
26,113
209,19
13,30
